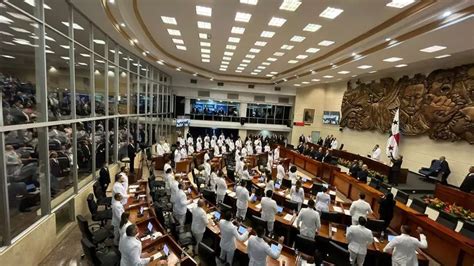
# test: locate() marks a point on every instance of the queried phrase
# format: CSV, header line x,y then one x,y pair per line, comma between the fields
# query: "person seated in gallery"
x,y
438,168
318,155
363,174
300,147
468,183
354,168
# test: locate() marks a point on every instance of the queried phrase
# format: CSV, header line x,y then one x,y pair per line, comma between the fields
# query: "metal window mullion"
x,y
92,69
116,132
128,88
94,149
72,75
117,79
4,205
106,99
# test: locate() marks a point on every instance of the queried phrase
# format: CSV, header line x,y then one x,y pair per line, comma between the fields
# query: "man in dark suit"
x,y
319,155
104,177
354,169
363,174
394,174
468,183
300,147
327,157
131,154
444,170
302,139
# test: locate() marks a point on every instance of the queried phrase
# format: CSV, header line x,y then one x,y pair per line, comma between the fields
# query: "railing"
x,y
254,120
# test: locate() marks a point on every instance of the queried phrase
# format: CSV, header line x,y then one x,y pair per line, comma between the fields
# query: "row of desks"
x,y
155,244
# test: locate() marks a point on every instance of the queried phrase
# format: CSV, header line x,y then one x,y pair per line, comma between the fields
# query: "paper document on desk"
x,y
192,206
334,229
347,212
157,255
376,240
332,192
231,194
246,242
337,209
145,238
288,217
258,206
132,190
305,201
133,186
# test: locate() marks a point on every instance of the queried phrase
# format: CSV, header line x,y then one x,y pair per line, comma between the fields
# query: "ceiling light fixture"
x,y
364,66
249,2
326,43
266,63
331,12
343,72
250,56
237,30
178,41
372,72
292,61
204,36
242,17
205,55
442,56
227,58
392,59
228,53
328,77
432,49
400,3
246,61
301,56
290,5
447,14
181,47
312,27
286,47
297,38
169,20
205,51
401,65
204,25
312,50
254,50
316,80
174,32
205,60
205,44
278,54
267,34
260,43
204,11
230,47
271,59
276,22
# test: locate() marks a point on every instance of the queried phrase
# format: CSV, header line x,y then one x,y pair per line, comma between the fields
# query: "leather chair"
x,y
102,199
207,255
337,254
106,256
98,216
92,232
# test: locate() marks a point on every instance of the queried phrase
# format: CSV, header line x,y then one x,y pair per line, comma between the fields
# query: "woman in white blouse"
x,y
322,200
297,194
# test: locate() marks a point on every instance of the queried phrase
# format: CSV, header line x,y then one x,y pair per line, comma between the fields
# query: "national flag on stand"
x,y
393,141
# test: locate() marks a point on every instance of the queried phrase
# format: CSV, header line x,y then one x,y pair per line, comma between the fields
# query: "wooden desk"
x,y
454,195
183,166
444,245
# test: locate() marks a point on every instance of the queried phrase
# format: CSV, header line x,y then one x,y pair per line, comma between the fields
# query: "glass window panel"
x,y
110,140
99,76
113,48
100,143
133,63
18,45
112,76
123,136
29,6
60,162
83,81
142,96
123,58
59,18
58,82
133,92
99,42
123,96
81,28
84,149
23,169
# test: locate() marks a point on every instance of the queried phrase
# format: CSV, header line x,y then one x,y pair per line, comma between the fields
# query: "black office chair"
x,y
402,197
332,217
209,195
447,220
305,244
99,257
338,255
286,183
375,225
102,199
224,207
384,188
98,216
317,187
93,232
292,205
467,229
374,183
207,255
418,205
257,221
231,173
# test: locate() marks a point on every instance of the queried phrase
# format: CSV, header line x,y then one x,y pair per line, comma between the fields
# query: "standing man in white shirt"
x,y
199,223
206,157
168,180
180,205
207,171
359,208
167,164
269,210
276,153
308,221
174,188
119,188
258,249
243,197
229,233
177,157
376,152
123,173
246,174
117,210
359,238
166,147
280,172
159,149
238,143
266,148
131,249
334,144
297,193
239,167
221,188
403,247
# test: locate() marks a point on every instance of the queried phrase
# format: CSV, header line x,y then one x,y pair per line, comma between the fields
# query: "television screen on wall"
x,y
331,118
183,121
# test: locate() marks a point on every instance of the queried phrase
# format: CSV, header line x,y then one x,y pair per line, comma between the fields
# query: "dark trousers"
x,y
393,177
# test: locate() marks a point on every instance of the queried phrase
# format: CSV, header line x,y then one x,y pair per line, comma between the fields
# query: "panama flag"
x,y
393,141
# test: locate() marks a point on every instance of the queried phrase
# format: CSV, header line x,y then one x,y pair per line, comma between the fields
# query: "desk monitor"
x,y
253,197
217,215
189,190
150,227
390,237
303,178
279,209
242,230
166,250
277,185
30,187
274,248
326,186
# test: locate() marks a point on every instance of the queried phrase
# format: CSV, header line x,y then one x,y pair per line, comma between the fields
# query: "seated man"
x,y
438,168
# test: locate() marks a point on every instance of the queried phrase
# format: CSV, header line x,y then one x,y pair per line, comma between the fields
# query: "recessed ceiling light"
x,y
278,54
238,71
267,34
122,25
224,63
372,72
205,60
260,43
195,74
257,70
243,65
205,55
432,49
12,57
178,41
326,43
203,36
181,47
447,14
343,72
178,69
290,5
442,56
297,38
305,82
297,85
364,66
301,56
169,20
286,47
233,40
228,53
328,77
161,62
388,39
277,22
227,58
401,65
254,50
392,59
230,47
223,69
316,80
205,44
331,12
224,66
246,61
268,75
204,11
174,32
253,73
292,61
240,68
400,3
86,55
65,57
266,63
204,25
237,30
312,27
205,51
312,50
64,46
250,56
271,59
97,41
249,2
261,67
273,72
74,25
242,17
